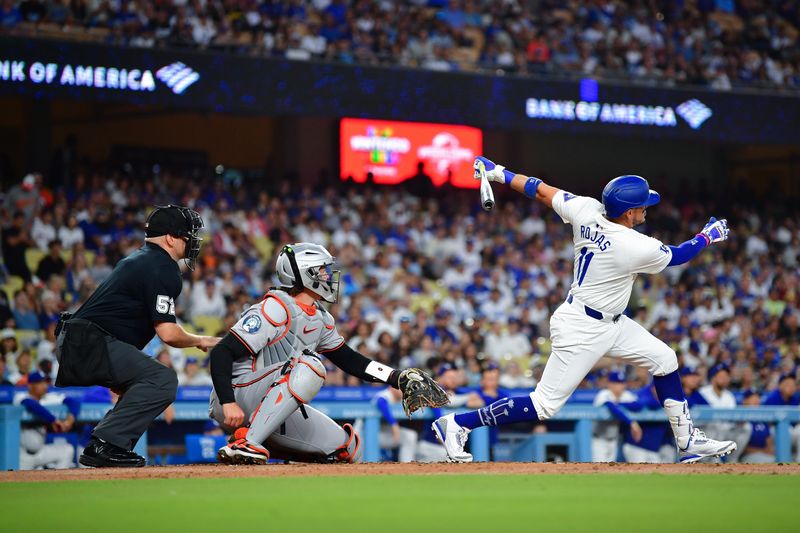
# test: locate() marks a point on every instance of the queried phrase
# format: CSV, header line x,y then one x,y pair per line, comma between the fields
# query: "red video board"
x,y
391,151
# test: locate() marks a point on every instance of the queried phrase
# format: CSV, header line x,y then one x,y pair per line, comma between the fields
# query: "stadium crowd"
x,y
423,281
718,43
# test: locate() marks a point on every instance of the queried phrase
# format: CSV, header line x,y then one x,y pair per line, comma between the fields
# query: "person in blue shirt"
x,y
787,395
393,436
760,448
655,444
490,392
34,451
691,381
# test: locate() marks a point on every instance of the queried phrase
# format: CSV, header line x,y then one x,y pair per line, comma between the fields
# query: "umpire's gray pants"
x,y
147,388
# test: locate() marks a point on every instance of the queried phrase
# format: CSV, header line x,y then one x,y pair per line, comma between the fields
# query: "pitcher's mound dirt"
x,y
379,469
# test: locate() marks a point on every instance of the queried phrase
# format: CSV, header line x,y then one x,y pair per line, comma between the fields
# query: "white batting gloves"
x,y
493,172
715,230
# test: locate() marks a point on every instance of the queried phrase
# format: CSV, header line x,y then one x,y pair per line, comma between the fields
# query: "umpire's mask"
x,y
177,221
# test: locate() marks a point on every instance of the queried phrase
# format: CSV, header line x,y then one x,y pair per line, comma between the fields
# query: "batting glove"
x,y
715,231
493,172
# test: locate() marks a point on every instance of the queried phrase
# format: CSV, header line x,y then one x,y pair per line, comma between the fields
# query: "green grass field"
x,y
596,502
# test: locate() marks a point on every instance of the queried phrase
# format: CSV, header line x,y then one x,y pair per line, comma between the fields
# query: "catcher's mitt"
x,y
420,390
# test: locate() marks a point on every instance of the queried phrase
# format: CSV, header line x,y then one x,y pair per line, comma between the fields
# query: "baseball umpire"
x,y
101,343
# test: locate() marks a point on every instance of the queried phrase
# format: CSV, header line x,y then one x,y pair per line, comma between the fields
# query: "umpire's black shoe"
x,y
101,454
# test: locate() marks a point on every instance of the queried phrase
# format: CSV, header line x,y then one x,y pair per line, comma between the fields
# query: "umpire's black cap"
x,y
167,220
177,221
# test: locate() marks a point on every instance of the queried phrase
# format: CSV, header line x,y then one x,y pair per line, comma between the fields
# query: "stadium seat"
x,y
12,285
264,246
32,258
28,338
208,325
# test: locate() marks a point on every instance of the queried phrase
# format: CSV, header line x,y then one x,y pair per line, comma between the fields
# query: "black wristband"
x,y
394,379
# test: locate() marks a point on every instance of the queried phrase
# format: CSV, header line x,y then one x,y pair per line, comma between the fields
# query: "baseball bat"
x,y
487,195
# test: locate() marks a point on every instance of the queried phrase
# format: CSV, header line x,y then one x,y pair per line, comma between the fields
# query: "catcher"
x,y
266,370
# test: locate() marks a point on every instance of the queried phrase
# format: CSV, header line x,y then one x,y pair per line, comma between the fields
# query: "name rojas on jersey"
x,y
277,328
608,256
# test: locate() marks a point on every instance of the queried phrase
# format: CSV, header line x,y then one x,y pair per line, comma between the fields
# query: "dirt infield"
x,y
383,469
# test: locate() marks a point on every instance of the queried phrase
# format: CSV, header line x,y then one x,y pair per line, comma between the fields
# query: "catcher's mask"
x,y
180,222
307,265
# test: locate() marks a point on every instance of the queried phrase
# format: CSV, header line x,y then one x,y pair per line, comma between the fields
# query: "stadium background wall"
x,y
278,110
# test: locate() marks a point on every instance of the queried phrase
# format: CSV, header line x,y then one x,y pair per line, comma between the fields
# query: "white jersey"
x,y
277,328
726,399
609,429
608,256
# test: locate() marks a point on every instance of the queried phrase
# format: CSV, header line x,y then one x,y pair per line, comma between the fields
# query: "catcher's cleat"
x,y
453,437
239,451
700,447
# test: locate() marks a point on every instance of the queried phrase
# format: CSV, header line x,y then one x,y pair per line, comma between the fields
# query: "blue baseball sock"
x,y
669,386
503,411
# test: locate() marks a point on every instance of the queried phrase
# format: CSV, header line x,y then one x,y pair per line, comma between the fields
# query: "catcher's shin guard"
x,y
351,451
297,386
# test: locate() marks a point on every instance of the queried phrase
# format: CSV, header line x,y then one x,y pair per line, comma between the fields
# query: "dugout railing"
x,y
582,416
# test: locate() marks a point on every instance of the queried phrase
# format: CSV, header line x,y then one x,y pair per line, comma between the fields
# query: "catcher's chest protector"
x,y
277,328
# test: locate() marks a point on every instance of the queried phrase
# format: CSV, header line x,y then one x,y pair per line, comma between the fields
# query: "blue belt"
x,y
594,313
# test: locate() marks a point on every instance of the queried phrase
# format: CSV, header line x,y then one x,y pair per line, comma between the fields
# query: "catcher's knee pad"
x,y
306,378
351,451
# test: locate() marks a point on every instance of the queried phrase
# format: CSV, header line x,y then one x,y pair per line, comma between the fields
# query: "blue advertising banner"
x,y
226,82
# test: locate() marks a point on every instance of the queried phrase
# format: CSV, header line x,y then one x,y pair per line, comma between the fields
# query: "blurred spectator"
x,y
71,233
392,435
15,242
43,231
52,263
716,393
4,371
34,452
24,198
23,366
192,374
24,313
761,447
605,437
207,299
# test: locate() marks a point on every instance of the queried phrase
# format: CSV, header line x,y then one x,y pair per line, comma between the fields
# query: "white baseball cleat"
x,y
700,447
453,437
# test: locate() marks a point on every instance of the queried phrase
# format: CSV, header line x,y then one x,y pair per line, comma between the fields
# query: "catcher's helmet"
x,y
627,192
177,221
298,266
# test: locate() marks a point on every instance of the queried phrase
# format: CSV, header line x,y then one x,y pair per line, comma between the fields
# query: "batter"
x,y
609,254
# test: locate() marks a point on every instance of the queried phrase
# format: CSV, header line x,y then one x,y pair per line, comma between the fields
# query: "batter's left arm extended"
x,y
527,185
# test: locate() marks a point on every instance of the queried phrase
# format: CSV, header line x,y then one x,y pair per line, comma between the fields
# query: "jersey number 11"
x,y
583,264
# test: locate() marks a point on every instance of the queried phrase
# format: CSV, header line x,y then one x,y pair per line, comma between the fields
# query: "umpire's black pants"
x,y
87,356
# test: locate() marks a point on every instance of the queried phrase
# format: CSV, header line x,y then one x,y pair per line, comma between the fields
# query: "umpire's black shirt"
x,y
141,290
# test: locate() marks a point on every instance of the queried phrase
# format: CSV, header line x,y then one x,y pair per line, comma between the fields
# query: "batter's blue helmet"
x,y
627,192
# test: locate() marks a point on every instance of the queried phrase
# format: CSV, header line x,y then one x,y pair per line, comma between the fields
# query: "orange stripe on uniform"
x,y
288,314
332,349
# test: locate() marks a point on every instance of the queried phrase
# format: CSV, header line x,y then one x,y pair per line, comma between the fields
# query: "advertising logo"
x,y
391,151
177,76
445,152
591,109
694,112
